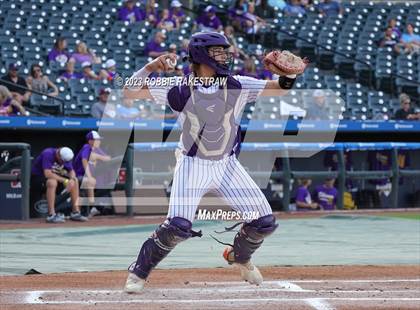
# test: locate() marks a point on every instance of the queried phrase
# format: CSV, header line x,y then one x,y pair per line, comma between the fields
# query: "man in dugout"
x,y
52,170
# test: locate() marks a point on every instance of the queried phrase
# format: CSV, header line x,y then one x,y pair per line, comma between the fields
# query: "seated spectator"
x,y
294,8
208,21
130,12
229,32
154,48
83,54
151,12
406,112
52,168
410,41
329,8
166,22
176,11
87,71
110,71
326,195
183,52
9,106
59,52
395,30
70,74
19,94
101,108
40,82
127,110
265,10
281,4
318,109
390,40
303,197
84,166
249,68
252,23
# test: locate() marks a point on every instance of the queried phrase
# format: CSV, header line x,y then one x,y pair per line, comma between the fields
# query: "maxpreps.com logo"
x,y
222,215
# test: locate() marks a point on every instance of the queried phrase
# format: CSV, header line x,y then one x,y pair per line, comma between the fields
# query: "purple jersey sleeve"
x,y
302,194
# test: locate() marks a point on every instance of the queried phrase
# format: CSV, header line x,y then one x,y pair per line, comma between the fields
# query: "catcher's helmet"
x,y
198,51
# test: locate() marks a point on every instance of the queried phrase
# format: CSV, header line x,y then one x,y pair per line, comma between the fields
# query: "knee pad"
x,y
260,228
172,232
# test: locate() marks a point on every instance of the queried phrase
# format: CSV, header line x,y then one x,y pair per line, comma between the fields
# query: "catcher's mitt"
x,y
284,63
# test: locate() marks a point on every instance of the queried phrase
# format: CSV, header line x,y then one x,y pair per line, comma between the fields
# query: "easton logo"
x,y
211,108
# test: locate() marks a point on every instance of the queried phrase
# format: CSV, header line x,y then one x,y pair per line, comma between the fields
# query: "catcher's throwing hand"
x,y
164,63
284,63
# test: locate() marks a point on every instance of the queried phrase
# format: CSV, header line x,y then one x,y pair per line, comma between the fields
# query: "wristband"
x,y
285,82
65,182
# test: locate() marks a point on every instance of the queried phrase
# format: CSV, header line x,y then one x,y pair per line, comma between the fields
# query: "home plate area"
x,y
291,294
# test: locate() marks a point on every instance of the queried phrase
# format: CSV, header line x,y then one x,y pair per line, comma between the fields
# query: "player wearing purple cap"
x,y
85,162
51,168
209,114
326,195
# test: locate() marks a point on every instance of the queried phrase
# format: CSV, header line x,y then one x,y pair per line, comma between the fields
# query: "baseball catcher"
x,y
209,114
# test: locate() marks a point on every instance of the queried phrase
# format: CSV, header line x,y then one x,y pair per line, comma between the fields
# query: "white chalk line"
x,y
309,281
231,300
318,303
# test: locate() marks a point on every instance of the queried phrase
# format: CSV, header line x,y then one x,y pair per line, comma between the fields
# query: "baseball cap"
x,y
110,63
209,9
103,91
176,4
66,154
14,66
86,64
319,93
93,135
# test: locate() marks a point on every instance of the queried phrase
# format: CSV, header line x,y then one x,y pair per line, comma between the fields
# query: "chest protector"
x,y
209,130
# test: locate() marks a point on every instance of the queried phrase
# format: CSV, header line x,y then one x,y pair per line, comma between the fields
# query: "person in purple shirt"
x,y
294,8
249,68
154,48
326,195
84,165
130,12
209,21
70,74
51,168
329,8
303,197
395,30
59,52
176,11
167,22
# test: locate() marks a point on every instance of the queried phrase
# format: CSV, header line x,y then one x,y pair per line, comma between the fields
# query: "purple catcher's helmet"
x,y
198,51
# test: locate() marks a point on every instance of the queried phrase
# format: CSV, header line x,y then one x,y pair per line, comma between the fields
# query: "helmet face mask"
x,y
221,55
211,48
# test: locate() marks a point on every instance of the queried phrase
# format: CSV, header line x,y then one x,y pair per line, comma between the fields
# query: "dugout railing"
x,y
14,199
287,173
